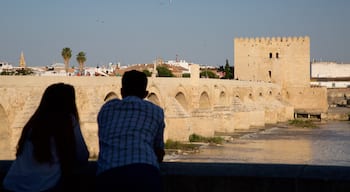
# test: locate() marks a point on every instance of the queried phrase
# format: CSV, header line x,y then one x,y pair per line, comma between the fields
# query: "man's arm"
x,y
160,154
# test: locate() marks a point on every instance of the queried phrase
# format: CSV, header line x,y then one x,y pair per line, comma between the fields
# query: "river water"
x,y
328,144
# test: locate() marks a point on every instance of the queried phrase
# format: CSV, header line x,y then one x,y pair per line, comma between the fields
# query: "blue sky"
x,y
139,31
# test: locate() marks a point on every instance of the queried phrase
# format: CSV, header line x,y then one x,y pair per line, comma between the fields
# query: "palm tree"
x,y
81,58
66,54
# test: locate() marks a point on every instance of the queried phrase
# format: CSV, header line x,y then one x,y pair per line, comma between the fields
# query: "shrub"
x,y
170,144
198,138
302,123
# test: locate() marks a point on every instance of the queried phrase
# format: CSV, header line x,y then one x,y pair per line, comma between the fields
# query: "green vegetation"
x,y
198,138
302,123
66,54
7,73
148,73
228,72
22,71
81,58
164,72
170,144
186,75
208,74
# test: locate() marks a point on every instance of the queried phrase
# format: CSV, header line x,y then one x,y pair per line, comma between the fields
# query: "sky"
x,y
140,31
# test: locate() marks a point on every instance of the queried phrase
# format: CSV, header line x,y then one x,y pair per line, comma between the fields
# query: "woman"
x,y
51,144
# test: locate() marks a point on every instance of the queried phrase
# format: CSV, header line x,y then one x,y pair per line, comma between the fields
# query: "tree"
x,y
186,75
24,71
208,74
66,54
81,58
164,72
228,72
148,73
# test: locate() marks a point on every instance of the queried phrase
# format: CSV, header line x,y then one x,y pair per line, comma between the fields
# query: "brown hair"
x,y
53,120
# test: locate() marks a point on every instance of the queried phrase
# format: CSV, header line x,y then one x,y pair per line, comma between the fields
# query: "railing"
x,y
242,177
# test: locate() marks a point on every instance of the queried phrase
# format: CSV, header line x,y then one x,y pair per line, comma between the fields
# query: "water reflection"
x,y
327,145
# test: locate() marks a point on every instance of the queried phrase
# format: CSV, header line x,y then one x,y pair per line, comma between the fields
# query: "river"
x,y
328,144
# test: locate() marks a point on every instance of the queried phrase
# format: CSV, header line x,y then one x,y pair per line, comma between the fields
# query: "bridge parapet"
x,y
243,177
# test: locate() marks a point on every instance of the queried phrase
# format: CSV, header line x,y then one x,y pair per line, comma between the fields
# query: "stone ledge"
x,y
244,177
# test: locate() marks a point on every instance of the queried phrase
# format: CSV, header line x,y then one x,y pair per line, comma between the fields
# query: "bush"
x,y
198,138
148,73
186,75
170,144
302,123
163,71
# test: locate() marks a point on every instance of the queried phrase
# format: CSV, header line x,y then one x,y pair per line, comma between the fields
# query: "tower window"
x,y
277,55
269,74
270,55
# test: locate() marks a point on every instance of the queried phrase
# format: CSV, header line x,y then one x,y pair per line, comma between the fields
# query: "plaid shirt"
x,y
129,130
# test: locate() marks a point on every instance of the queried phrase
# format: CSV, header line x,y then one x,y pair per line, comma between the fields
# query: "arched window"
x,y
277,55
270,55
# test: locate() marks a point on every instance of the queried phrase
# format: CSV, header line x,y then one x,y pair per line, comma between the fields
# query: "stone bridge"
x,y
191,105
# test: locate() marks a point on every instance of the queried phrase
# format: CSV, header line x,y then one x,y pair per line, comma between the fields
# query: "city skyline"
x,y
137,31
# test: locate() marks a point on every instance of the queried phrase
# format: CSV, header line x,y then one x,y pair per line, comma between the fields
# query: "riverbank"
x,y
328,144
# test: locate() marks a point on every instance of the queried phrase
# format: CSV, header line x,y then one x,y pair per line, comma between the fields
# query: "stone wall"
x,y
284,61
307,99
339,96
281,60
191,105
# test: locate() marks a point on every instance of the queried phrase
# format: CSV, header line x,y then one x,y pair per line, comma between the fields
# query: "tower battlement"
x,y
297,39
282,60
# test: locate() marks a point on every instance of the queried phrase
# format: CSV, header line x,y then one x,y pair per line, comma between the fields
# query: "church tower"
x,y
22,61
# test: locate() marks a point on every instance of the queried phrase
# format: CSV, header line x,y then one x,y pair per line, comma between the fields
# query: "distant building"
x,y
284,61
329,70
5,66
22,61
330,74
281,60
181,63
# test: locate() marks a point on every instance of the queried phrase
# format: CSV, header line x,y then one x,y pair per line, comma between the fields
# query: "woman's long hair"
x,y
53,121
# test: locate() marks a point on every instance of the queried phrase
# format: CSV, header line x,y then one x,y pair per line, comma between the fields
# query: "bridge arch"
x,y
111,95
222,96
204,101
181,98
152,97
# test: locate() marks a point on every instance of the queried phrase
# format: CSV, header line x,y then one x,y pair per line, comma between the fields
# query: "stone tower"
x,y
22,61
284,61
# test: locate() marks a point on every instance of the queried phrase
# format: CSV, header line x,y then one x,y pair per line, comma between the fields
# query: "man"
x,y
131,141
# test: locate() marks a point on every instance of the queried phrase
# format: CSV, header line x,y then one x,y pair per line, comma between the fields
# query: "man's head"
x,y
134,83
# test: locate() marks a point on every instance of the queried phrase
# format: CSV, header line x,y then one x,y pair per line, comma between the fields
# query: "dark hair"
x,y
134,83
53,121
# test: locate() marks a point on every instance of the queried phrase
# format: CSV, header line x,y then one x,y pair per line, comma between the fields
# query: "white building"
x,y
5,66
330,70
181,63
330,74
